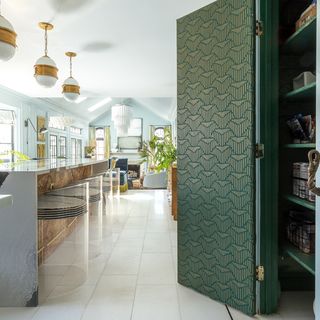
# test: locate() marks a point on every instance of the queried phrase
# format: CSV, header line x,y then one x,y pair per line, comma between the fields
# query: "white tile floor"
x,y
131,273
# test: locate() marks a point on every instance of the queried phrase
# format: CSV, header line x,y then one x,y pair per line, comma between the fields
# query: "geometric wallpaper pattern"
x,y
216,158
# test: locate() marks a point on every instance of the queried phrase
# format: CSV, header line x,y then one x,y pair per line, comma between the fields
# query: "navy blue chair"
x,y
122,164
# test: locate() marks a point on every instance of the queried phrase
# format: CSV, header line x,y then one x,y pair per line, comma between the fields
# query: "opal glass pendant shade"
x,y
45,69
46,72
7,40
71,90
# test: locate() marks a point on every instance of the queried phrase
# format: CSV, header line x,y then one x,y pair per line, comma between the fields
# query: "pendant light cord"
x,y
70,67
45,41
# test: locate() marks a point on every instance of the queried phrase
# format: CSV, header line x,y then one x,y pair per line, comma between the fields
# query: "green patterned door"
x,y
216,158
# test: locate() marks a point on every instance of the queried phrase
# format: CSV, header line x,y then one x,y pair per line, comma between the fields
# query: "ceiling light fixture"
x,y
121,115
7,39
71,88
99,104
46,71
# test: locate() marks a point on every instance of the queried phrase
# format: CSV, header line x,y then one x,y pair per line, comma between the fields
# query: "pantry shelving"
x,y
307,261
300,146
308,92
301,202
302,40
297,114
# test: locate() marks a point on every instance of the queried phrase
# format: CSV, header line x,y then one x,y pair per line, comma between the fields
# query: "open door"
x,y
216,152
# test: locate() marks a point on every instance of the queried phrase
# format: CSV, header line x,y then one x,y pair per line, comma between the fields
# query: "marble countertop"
x,y
5,201
45,165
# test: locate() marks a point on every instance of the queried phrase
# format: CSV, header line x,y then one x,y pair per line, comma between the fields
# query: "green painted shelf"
x,y
301,202
300,145
307,261
302,40
307,92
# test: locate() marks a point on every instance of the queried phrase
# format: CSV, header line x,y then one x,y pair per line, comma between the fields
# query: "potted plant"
x,y
159,153
89,151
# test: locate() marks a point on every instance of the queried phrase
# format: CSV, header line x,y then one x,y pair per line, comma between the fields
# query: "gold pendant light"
x,y
71,88
7,39
46,71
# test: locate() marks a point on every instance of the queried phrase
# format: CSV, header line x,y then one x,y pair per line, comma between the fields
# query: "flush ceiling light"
x,y
46,71
7,39
99,104
71,88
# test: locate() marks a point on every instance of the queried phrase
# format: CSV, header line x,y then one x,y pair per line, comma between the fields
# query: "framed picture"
x,y
41,123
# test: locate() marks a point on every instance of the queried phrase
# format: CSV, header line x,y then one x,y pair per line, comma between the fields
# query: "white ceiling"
x,y
126,48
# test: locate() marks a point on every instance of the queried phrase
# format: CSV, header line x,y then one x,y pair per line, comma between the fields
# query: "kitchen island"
x,y
5,201
25,181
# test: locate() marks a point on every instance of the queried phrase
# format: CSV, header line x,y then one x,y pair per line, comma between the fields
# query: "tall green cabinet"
x,y
234,153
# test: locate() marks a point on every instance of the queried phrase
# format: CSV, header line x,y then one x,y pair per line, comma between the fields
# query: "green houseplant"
x,y
159,153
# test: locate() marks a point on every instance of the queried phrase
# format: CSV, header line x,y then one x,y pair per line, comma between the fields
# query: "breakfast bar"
x,y
20,229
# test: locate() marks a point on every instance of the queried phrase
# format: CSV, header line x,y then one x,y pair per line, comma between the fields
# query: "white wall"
x,y
26,107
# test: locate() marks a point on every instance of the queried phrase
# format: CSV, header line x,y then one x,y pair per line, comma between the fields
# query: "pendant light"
x,y
7,39
121,115
46,71
71,88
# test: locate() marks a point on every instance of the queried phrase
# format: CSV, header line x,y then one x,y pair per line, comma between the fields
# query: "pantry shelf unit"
x,y
301,202
307,261
307,92
302,40
300,146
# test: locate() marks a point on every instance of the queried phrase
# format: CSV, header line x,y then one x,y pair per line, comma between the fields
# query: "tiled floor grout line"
x,y
175,270
136,287
102,273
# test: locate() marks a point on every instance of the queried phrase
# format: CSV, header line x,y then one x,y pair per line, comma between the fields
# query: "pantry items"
x,y
303,79
300,181
306,16
301,230
302,128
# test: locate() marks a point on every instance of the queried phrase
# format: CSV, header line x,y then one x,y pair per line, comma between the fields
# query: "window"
x,y
159,132
63,146
76,148
133,141
75,130
53,146
55,123
79,148
7,121
135,129
100,144
6,140
73,148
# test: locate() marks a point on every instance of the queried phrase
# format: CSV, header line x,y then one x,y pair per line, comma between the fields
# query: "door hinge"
x,y
260,273
259,28
259,150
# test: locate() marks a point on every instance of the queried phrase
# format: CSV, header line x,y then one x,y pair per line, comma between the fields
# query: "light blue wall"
x,y
149,118
26,107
